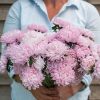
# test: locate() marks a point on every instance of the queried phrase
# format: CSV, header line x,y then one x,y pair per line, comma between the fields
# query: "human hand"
x,y
64,92
68,91
78,87
57,93
17,78
43,93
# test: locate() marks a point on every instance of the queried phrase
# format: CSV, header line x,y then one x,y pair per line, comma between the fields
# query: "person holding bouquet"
x,y
43,12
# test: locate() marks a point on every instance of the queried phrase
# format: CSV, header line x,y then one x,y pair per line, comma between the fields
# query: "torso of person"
x,y
44,15
35,12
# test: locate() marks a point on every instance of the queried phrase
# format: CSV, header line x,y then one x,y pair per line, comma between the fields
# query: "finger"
x,y
53,95
49,91
40,94
46,97
51,98
52,92
17,78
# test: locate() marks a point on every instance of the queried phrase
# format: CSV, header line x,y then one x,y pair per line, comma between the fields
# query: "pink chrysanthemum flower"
x,y
96,73
12,36
70,61
68,35
83,41
62,73
32,38
56,50
19,53
39,63
98,49
72,53
51,36
31,78
3,64
60,22
88,63
79,73
87,33
82,52
39,28
18,68
95,51
40,49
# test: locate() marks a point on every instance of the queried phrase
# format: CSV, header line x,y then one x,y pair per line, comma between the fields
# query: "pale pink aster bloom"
x,y
62,74
70,61
68,35
18,68
32,38
72,53
39,63
87,33
51,36
18,53
40,49
79,73
3,64
39,28
75,30
95,51
81,51
31,78
12,36
56,50
83,41
98,49
88,63
96,73
60,22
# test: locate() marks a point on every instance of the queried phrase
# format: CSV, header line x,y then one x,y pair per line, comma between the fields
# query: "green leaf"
x,y
9,64
55,28
30,61
48,82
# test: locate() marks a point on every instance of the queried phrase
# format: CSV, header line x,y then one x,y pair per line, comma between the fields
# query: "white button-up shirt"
x,y
78,12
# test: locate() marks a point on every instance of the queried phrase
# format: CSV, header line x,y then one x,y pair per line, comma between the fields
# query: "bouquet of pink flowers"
x,y
57,58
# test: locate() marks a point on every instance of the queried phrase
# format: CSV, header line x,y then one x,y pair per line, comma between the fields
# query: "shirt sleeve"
x,y
13,18
93,24
12,22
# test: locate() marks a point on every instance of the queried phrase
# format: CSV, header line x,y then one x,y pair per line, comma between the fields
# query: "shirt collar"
x,y
74,3
41,4
70,3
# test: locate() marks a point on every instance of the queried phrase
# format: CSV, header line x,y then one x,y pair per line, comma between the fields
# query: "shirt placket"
x,y
42,7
